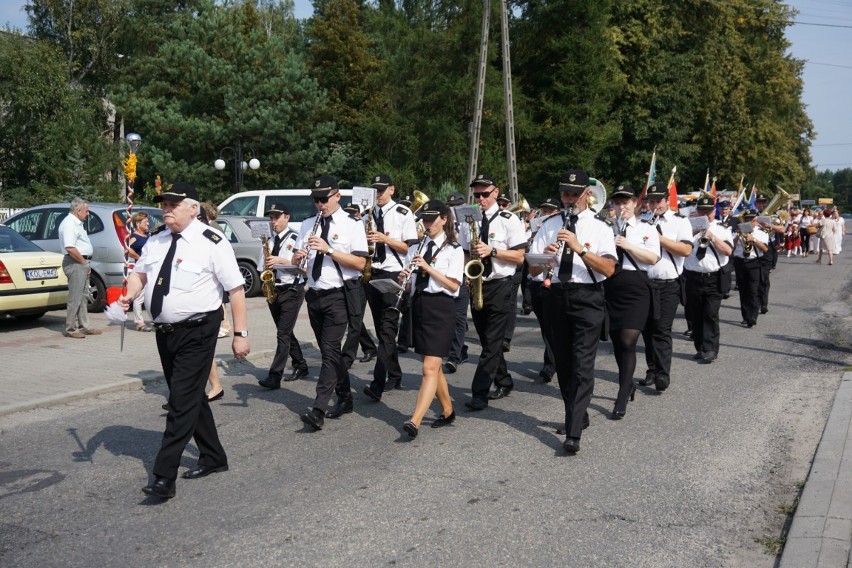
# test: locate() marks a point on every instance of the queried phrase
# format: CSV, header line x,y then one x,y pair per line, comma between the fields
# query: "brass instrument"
x,y
703,241
520,206
474,269
748,246
267,277
303,264
367,273
779,200
560,248
420,199
401,294
597,199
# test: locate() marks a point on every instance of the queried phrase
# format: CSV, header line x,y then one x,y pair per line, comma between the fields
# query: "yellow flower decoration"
x,y
130,168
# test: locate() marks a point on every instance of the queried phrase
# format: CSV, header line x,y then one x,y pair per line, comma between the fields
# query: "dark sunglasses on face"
x,y
323,199
482,194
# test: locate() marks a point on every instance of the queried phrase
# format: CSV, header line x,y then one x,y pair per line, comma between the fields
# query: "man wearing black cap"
x,y
574,300
501,248
711,250
336,248
289,296
188,264
458,350
394,230
750,245
666,285
535,285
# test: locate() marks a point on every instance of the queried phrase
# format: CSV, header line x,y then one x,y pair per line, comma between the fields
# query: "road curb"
x,y
821,532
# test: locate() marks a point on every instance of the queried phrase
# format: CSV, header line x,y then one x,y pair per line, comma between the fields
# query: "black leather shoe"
x,y
545,376
200,471
698,356
661,383
476,404
751,324
401,349
708,358
442,420
526,310
571,445
298,373
313,417
367,357
647,381
464,354
764,310
450,366
410,429
342,407
393,385
688,333
270,383
160,487
499,392
368,390
618,414
166,406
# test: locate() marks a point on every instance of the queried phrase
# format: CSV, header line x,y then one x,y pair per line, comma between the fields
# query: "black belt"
x,y
287,286
574,285
383,274
663,280
704,275
192,321
87,256
323,293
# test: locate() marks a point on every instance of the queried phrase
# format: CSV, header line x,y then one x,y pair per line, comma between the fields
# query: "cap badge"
x,y
572,177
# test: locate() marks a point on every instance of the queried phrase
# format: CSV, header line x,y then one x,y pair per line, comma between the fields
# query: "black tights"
x,y
624,347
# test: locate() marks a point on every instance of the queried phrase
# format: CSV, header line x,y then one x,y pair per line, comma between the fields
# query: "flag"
x,y
739,202
652,174
707,182
673,190
713,188
752,197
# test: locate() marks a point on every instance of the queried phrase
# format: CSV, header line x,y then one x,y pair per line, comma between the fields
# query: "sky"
x,y
822,37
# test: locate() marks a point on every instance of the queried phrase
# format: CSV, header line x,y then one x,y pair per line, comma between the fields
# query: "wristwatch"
x,y
330,251
582,253
240,334
493,252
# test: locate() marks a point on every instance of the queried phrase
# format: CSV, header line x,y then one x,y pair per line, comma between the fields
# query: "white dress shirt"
x,y
345,234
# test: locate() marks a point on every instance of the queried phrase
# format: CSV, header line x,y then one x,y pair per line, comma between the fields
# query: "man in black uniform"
x,y
289,296
458,350
188,266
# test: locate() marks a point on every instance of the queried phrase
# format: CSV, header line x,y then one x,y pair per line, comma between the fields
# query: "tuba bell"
x,y
598,197
779,200
521,205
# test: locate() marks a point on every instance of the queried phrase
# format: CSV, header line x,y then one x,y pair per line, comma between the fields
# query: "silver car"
x,y
106,227
246,248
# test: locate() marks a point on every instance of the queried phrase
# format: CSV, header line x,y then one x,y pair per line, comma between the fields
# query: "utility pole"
x,y
476,125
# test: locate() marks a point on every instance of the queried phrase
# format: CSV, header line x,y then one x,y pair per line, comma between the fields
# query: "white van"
x,y
255,203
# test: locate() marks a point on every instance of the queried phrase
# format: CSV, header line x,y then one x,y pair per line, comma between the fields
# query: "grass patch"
x,y
772,545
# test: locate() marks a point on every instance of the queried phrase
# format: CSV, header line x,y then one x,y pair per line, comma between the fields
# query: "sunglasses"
x,y
482,194
324,199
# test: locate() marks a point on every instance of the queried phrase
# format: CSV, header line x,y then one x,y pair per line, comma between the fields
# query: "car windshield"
x,y
10,241
300,206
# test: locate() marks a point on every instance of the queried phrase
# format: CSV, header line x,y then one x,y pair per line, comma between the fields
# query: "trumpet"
x,y
703,241
267,277
548,277
401,294
303,264
474,269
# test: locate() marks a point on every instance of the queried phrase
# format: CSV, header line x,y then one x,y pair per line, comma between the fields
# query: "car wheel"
x,y
249,272
30,317
95,294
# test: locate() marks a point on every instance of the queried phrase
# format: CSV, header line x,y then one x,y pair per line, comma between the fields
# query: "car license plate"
x,y
41,273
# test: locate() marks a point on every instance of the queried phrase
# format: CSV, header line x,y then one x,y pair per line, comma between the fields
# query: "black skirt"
x,y
433,318
628,299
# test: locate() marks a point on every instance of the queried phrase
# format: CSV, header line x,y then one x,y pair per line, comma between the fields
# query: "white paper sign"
x,y
386,286
699,223
260,229
463,212
364,197
542,260
745,227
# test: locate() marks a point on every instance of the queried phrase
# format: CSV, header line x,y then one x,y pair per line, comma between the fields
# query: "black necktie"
x,y
566,263
381,254
316,271
164,278
276,247
422,275
483,236
620,251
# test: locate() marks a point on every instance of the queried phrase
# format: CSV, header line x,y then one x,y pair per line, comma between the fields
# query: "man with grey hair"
x,y
78,252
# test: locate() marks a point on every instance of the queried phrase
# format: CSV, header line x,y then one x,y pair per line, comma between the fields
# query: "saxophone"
x,y
267,277
371,250
474,269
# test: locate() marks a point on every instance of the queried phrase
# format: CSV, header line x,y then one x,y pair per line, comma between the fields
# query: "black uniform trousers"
x,y
657,334
513,301
285,311
748,281
703,300
387,326
405,339
328,314
537,293
187,355
765,262
461,302
355,329
576,315
490,323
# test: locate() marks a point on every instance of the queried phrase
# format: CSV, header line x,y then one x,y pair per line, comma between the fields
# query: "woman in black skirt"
x,y
439,269
628,294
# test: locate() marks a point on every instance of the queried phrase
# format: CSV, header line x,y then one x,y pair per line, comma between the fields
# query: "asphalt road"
x,y
694,477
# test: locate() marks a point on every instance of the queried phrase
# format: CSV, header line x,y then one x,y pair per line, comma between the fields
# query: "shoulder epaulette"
x,y
158,230
454,244
212,235
607,221
402,209
680,215
644,221
506,214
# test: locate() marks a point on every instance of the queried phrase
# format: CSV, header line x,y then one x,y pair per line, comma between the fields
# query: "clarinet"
x,y
303,264
559,250
408,276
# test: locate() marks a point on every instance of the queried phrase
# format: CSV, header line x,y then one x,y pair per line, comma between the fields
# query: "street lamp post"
x,y
239,164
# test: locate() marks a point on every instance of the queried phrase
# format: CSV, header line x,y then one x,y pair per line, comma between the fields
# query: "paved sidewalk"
x,y
41,367
821,533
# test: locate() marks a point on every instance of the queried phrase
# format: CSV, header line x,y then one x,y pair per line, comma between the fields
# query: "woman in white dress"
x,y
826,240
840,230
